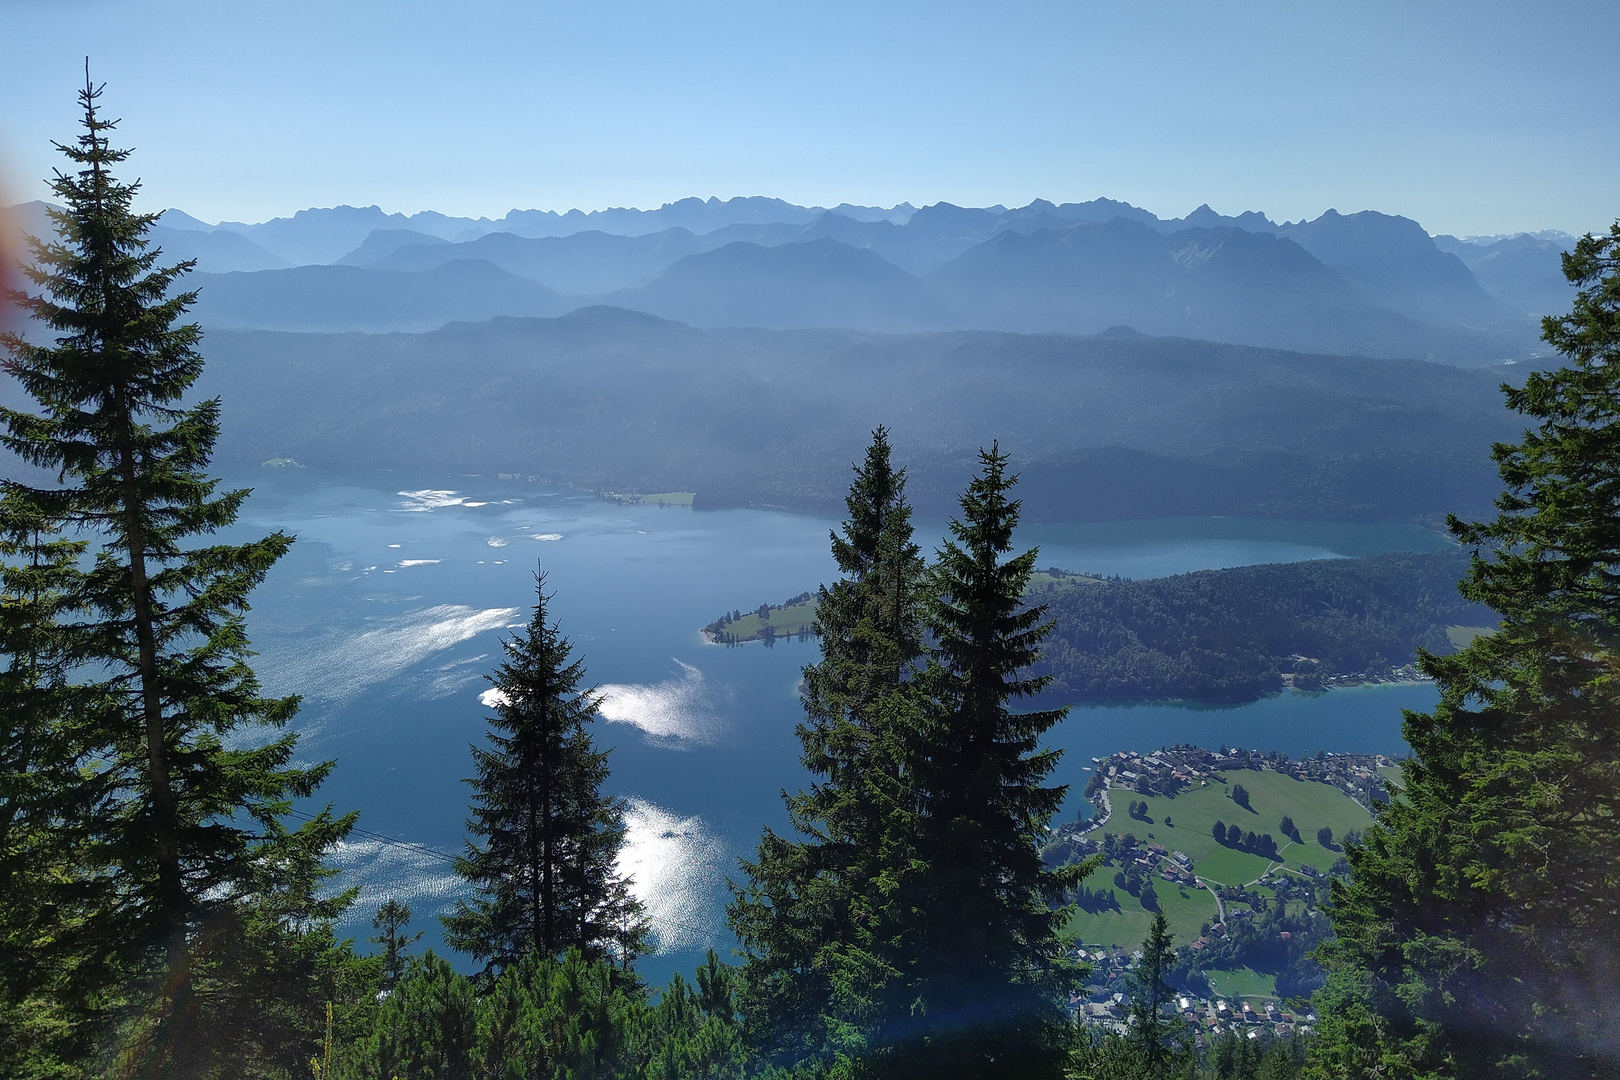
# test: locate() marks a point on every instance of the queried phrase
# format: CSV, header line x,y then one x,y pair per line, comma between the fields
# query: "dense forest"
x,y
1233,635
1223,636
165,914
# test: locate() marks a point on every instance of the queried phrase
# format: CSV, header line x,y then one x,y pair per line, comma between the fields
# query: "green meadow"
x,y
1186,824
1044,584
1392,777
1463,636
1186,910
785,621
1242,983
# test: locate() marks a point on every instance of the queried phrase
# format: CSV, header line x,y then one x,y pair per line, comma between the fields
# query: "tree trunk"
x,y
171,889
548,815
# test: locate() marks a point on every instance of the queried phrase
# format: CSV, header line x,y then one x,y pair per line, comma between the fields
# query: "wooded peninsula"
x,y
1222,636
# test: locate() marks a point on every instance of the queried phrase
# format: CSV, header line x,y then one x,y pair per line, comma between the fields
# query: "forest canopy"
x,y
1234,635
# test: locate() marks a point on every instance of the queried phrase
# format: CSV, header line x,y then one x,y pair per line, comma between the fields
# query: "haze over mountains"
x,y
1136,367
1367,283
1114,425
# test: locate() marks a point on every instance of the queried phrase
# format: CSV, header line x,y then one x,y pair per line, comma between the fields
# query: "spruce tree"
x,y
1477,934
813,916
991,984
545,870
392,917
188,838
1151,1033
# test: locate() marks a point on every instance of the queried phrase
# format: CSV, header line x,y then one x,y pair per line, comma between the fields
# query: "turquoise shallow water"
x,y
390,610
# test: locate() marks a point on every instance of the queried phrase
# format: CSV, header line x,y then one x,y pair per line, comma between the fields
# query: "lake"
x,y
389,612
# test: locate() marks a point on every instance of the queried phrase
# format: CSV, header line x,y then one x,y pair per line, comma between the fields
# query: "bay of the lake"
x,y
389,613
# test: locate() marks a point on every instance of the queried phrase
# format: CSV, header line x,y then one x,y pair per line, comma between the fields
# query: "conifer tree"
x,y
392,917
1150,1031
811,916
545,870
869,622
187,835
991,982
1477,934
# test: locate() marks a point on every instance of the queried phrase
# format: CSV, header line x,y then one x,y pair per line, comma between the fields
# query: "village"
x,y
1209,1018
1117,783
1169,771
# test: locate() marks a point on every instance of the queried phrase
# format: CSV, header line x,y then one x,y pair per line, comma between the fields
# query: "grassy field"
x,y
1392,780
1186,910
1271,795
1463,636
1043,584
1243,983
786,621
1189,828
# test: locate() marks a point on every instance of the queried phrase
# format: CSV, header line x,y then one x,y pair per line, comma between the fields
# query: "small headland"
x,y
794,617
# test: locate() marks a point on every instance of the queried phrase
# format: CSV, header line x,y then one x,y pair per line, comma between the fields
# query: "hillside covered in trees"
x,y
1220,636
1108,426
1237,634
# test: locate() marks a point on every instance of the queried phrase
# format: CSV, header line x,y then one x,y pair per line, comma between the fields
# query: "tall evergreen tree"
x,y
1151,1032
1478,934
869,622
545,871
991,982
190,830
809,916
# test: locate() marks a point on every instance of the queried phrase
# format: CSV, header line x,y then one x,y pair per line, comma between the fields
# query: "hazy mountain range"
x,y
1367,283
1116,425
744,350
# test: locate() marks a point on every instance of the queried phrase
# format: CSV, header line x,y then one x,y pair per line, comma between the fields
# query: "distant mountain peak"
x,y
380,243
179,219
613,315
1202,217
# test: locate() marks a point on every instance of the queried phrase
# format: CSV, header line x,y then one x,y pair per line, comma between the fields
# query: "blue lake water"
x,y
389,612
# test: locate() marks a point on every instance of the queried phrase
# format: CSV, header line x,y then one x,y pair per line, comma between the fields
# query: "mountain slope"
x,y
216,252
580,263
1100,427
1524,272
381,243
922,244
1221,284
818,283
1398,266
326,234
338,298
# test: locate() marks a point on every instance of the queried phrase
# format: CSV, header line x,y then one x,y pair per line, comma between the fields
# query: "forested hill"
x,y
1117,425
1235,635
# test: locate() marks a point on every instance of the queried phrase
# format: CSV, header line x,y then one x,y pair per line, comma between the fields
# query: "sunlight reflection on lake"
x,y
702,736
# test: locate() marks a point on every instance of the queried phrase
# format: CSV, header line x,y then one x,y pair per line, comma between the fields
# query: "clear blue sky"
x,y
1475,117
